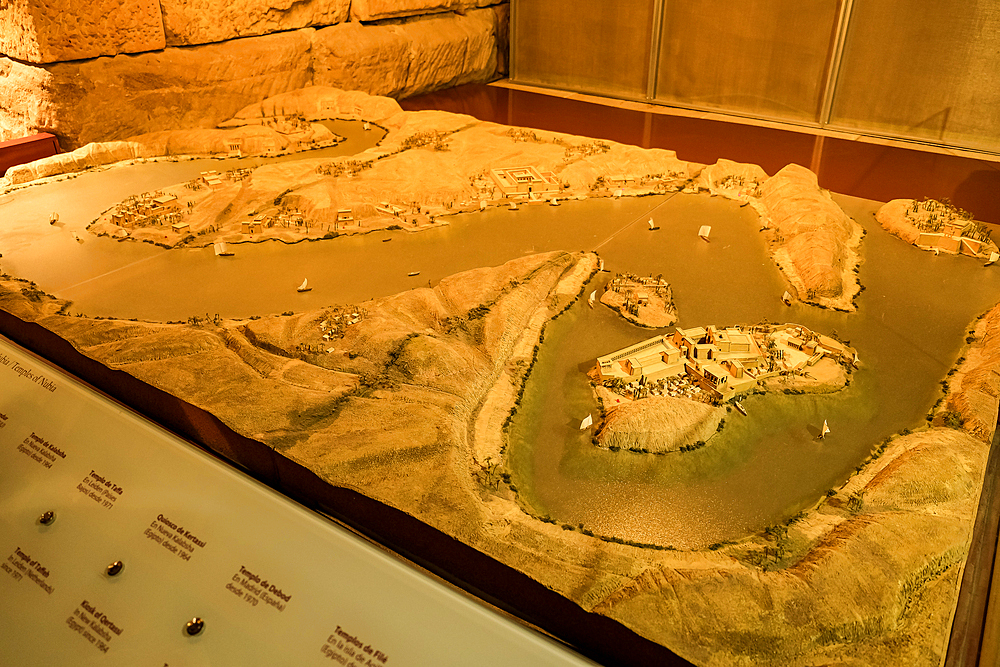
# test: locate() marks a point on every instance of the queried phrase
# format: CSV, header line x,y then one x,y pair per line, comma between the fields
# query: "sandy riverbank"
x,y
431,164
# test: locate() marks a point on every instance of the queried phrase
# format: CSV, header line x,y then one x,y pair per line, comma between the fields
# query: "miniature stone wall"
x,y
103,71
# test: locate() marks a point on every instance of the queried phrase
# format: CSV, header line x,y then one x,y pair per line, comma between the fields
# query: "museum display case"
x,y
540,372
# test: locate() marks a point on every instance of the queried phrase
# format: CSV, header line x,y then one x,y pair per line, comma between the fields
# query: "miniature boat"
x,y
304,287
739,406
994,256
386,240
704,232
221,250
366,125
482,205
76,237
618,193
786,298
587,422
652,227
592,298
513,206
826,429
600,265
54,218
937,251
413,273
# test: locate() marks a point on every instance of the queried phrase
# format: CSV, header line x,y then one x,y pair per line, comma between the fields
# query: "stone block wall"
x,y
110,69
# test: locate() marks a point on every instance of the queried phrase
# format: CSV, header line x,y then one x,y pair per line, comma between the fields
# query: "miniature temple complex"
x,y
524,181
721,362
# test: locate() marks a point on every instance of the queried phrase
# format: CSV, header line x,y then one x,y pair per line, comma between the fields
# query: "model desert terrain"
x,y
407,398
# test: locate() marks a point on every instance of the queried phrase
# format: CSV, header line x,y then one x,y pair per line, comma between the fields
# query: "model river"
x,y
908,330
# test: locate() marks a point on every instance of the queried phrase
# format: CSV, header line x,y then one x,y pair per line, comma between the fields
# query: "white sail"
x,y
618,193
651,225
826,429
482,205
554,202
994,256
587,422
593,297
304,287
705,231
600,266
786,298
366,125
221,250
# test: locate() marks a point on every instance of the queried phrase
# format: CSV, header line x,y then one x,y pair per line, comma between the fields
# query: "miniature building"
x,y
235,147
389,209
250,226
717,360
950,241
164,204
620,180
524,181
180,227
345,215
212,179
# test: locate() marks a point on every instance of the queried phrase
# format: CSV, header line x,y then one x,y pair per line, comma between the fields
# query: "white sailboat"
x,y
76,237
618,193
652,226
587,422
593,297
826,429
600,265
786,298
554,202
482,205
937,251
54,218
994,256
513,207
366,125
304,287
221,250
704,232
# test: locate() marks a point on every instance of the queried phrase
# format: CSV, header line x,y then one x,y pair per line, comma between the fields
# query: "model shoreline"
x,y
431,164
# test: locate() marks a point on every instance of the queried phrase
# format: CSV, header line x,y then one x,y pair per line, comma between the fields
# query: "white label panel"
x,y
273,583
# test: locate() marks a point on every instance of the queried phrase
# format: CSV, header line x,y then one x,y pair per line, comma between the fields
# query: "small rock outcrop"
x,y
659,424
814,242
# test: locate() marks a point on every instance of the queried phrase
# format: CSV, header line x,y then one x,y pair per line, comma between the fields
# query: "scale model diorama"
x,y
698,399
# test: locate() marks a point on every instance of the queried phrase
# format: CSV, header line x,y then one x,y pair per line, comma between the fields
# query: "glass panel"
x,y
764,58
927,70
585,45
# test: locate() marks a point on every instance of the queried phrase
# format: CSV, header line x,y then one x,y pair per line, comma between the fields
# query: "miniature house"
x,y
250,226
212,179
